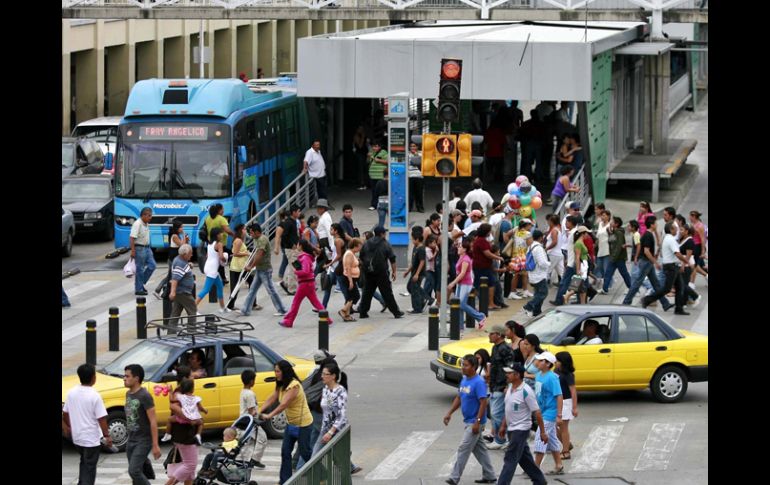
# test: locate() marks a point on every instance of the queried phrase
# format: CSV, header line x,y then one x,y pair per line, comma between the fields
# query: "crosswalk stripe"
x,y
81,288
101,318
659,446
702,324
470,467
597,448
404,456
103,300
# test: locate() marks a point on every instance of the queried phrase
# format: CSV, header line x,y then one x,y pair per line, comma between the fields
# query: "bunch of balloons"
x,y
524,197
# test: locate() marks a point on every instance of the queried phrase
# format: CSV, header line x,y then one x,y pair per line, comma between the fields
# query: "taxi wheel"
x,y
669,384
118,428
66,250
275,427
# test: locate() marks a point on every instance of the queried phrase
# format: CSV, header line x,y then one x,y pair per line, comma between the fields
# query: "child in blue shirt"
x,y
549,398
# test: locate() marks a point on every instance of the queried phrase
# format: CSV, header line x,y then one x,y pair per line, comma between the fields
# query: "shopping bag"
x,y
129,269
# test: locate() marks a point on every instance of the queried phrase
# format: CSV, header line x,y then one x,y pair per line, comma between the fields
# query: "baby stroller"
x,y
229,468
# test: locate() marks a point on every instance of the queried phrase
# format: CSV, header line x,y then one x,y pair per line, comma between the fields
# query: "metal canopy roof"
x,y
501,60
645,49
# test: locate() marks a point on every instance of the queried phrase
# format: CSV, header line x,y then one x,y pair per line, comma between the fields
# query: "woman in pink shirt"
x,y
644,211
464,283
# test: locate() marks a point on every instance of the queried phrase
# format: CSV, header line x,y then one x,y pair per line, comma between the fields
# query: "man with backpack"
x,y
374,262
537,266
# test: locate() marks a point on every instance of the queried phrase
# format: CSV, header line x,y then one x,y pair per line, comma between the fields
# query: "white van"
x,y
104,131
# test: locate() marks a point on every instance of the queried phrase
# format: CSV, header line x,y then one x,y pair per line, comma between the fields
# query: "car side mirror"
x,y
567,341
242,158
168,377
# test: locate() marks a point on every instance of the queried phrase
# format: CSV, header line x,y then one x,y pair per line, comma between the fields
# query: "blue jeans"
x,y
462,292
314,435
535,305
64,300
262,277
381,214
518,453
602,262
305,449
415,292
497,409
328,293
609,273
284,263
645,269
569,272
145,265
136,453
431,284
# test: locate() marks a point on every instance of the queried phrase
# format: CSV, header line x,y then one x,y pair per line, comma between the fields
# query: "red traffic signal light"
x,y
449,90
451,69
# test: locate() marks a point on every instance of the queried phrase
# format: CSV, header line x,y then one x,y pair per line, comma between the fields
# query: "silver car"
x,y
67,232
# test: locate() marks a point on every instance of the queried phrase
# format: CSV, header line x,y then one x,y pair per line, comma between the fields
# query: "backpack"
x,y
530,264
374,260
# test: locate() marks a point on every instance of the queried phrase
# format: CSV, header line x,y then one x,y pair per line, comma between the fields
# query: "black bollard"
x,y
323,329
114,329
433,328
470,322
454,318
141,317
210,324
484,295
91,342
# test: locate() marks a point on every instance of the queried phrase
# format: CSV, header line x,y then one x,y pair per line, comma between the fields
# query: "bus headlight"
x,y
125,221
92,215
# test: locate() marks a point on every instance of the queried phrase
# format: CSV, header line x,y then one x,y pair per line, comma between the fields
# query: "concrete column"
x,y
318,27
348,25
66,84
286,47
246,51
174,57
147,60
223,47
159,49
657,81
131,53
99,45
117,79
185,48
86,78
267,58
210,41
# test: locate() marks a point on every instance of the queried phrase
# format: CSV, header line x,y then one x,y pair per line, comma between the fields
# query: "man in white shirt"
x,y
473,222
481,196
85,421
590,334
570,227
139,241
537,277
324,225
316,168
457,192
671,259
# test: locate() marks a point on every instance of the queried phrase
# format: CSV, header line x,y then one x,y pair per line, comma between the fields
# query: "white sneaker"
x,y
691,285
225,310
528,294
528,313
515,296
696,302
497,446
601,291
198,439
406,293
166,437
279,314
371,208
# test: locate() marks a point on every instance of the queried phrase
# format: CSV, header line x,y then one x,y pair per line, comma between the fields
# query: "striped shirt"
x,y
183,275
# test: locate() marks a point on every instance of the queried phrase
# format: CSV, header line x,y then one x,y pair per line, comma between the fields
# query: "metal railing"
x,y
583,195
300,191
331,465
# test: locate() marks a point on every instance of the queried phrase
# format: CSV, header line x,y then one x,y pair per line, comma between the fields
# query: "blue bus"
x,y
184,145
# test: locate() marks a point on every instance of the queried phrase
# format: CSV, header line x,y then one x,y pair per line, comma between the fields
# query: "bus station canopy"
x,y
501,60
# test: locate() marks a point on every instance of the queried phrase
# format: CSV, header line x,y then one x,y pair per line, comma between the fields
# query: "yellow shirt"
x,y
298,413
229,445
237,263
218,221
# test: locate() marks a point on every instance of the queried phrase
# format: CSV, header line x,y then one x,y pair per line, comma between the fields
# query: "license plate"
x,y
440,373
88,224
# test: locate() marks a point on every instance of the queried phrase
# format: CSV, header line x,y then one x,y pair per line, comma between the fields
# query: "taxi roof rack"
x,y
198,325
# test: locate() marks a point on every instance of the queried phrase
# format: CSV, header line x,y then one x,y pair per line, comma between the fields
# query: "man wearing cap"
x,y
481,196
316,168
502,355
472,396
375,255
571,225
473,222
549,398
538,276
520,404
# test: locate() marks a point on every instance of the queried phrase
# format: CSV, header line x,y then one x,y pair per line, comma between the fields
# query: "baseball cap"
x,y
499,329
514,367
581,229
574,205
477,213
456,212
379,230
526,221
546,356
322,354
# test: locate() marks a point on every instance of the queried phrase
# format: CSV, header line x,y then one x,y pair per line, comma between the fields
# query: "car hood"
x,y
85,205
302,367
103,383
466,346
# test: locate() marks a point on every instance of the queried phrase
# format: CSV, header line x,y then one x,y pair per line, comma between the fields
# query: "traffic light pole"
x,y
443,332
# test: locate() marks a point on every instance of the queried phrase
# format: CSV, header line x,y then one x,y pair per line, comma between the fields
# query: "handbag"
x,y
129,270
508,249
173,456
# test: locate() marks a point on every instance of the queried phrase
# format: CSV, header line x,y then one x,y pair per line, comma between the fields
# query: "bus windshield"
x,y
174,169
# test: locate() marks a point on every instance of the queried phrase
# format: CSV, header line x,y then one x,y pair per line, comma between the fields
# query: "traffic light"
x,y
446,150
464,154
449,90
429,154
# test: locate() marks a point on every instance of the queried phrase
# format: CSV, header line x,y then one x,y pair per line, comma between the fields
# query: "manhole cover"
x,y
595,481
404,334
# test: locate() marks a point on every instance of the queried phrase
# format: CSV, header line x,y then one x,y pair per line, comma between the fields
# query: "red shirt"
x,y
480,261
590,246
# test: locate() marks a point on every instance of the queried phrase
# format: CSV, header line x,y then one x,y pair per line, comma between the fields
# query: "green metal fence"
x,y
330,466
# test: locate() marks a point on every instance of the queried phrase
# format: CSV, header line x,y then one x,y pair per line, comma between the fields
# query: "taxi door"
x,y
208,388
641,346
594,364
237,358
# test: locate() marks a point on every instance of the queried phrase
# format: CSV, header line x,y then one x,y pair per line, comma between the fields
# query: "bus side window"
x,y
239,138
252,142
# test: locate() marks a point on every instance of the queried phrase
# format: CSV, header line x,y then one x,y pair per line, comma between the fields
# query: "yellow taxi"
x,y
225,359
638,350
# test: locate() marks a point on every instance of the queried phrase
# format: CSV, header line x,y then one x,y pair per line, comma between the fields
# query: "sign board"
x,y
206,55
398,171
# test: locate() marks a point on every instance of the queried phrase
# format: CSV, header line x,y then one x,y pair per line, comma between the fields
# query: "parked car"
x,y
104,131
80,156
639,350
90,198
67,232
226,357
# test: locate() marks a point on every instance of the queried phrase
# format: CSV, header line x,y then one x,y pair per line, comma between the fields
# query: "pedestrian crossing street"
x,y
608,448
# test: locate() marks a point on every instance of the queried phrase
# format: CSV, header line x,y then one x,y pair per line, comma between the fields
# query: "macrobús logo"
x,y
171,205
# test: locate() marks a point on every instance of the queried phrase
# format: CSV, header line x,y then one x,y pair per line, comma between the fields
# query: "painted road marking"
x,y
83,287
404,456
101,318
659,446
417,343
702,324
597,449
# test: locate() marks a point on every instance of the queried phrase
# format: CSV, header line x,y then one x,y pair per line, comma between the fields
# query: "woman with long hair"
x,y
305,284
565,369
176,237
334,404
215,258
291,398
644,212
530,346
240,256
464,284
350,275
333,266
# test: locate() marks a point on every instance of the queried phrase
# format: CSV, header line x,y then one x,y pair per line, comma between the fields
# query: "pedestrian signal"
x,y
464,155
446,162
